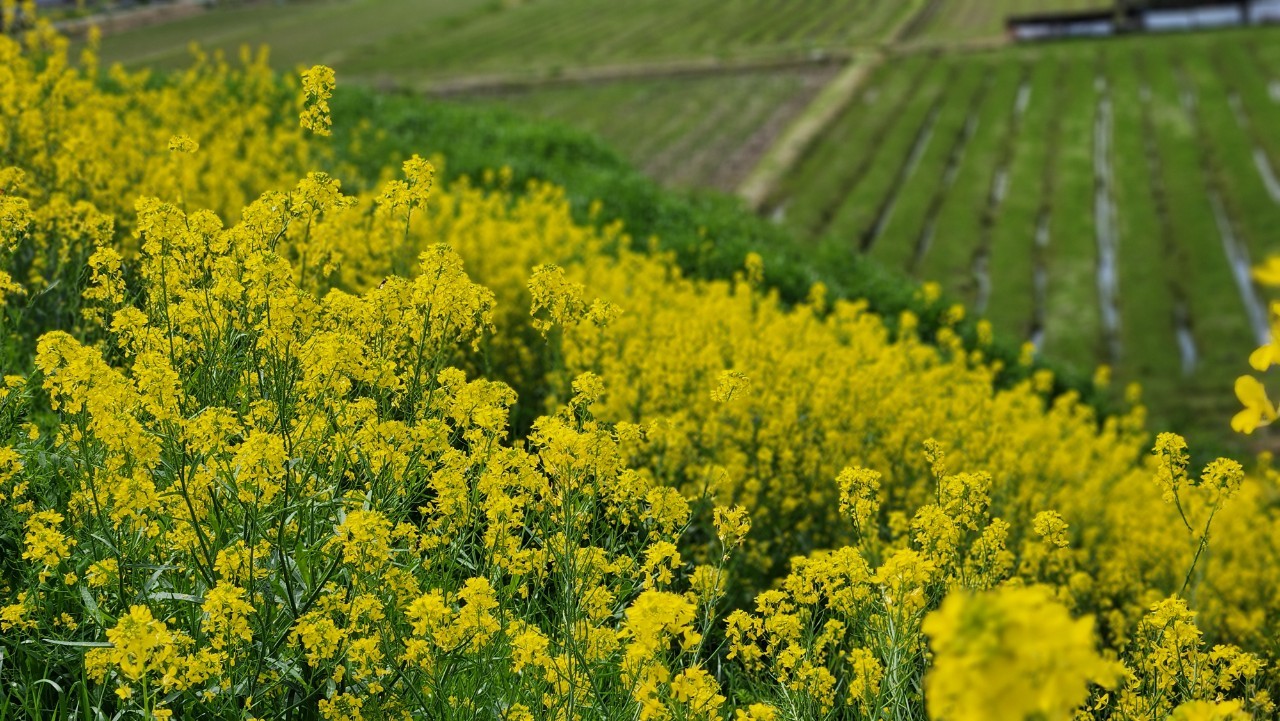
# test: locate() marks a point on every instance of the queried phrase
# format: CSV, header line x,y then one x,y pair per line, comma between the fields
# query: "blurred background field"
x,y
1102,198
688,132
1017,177
412,41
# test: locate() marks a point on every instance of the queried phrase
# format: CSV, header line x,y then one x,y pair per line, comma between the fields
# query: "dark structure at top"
x,y
1127,16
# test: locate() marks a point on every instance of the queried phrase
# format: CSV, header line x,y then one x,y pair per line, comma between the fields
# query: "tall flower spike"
x,y
317,88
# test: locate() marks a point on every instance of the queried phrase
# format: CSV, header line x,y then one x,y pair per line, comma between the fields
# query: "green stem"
x,y
1204,543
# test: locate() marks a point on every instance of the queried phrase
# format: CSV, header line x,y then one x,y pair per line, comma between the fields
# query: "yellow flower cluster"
x,y
266,462
144,653
317,88
1259,410
1012,653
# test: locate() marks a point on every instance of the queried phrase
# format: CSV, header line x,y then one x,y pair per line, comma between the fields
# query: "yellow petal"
x,y
1251,392
1258,407
1245,421
1269,272
1263,358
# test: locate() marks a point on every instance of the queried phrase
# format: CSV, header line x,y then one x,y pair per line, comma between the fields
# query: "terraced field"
x,y
1103,199
703,129
565,33
298,33
689,132
411,41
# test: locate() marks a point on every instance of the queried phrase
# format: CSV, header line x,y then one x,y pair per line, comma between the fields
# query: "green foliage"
x,y
710,233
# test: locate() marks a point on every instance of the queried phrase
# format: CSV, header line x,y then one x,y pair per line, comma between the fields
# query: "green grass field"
x,y
686,132
1020,178
413,41
298,33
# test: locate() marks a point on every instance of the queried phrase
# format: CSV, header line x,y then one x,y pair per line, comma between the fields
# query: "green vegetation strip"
x,y
1152,313
960,252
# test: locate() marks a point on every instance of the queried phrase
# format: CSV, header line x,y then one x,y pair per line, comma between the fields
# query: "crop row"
x,y
410,40
683,131
1103,199
297,33
563,33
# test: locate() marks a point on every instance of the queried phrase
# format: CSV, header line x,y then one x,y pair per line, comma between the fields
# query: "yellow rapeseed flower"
x,y
317,87
1013,653
1258,409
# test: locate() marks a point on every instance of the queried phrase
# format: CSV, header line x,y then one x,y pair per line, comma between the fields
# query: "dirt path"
x,y
1104,211
504,83
734,170
786,149
790,147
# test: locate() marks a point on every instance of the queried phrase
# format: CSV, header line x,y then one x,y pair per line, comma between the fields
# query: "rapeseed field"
x,y
259,458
